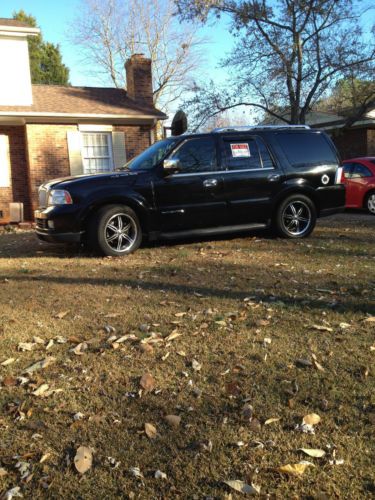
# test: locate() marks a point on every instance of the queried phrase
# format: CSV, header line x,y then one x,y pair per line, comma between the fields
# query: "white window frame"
x,y
110,151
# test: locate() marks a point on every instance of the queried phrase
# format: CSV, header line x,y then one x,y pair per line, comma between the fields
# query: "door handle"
x,y
210,183
273,177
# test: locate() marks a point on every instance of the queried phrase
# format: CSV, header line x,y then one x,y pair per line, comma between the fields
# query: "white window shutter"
x,y
119,152
75,152
5,175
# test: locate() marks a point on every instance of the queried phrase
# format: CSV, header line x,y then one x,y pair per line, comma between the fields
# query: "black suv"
x,y
232,179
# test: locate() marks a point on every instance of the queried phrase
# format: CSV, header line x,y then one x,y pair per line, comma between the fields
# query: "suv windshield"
x,y
151,156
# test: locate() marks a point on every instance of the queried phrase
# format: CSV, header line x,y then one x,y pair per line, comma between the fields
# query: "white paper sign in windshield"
x,y
240,150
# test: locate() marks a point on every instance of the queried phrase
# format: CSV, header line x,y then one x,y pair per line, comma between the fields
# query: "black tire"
x,y
114,230
370,202
295,217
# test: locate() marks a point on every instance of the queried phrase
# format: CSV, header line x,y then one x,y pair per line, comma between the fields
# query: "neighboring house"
x,y
49,131
351,142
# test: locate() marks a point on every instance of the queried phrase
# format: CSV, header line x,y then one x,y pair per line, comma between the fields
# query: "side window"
x,y
307,149
265,154
360,171
197,155
241,154
348,168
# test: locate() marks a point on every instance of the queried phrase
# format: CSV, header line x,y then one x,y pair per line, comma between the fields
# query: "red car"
x,y
360,183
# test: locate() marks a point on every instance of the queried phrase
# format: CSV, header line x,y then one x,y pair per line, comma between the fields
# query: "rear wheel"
x,y
295,217
370,202
115,231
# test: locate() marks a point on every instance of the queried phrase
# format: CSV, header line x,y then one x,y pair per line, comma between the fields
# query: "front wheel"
x,y
115,231
295,217
370,203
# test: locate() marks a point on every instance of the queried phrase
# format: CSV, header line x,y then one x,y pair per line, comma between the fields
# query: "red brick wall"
x,y
18,192
350,143
137,138
47,154
39,152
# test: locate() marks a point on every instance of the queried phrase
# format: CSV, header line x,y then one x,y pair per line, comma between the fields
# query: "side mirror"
x,y
171,166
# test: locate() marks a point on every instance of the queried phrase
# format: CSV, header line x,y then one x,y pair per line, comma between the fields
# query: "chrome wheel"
x,y
296,218
121,232
371,203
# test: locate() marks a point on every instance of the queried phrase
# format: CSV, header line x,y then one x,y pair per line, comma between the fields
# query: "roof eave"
x,y
42,117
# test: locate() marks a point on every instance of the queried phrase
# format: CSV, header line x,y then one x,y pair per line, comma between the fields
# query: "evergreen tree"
x,y
46,63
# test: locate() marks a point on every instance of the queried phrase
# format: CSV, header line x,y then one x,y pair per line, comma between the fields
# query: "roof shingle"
x,y
13,22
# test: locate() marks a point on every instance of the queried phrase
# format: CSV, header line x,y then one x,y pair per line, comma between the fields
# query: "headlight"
x,y
59,197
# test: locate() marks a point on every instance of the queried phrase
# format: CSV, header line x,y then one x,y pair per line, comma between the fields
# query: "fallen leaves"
x,y
312,452
294,469
242,487
147,382
83,459
150,431
322,328
41,390
311,419
8,362
40,365
173,420
61,315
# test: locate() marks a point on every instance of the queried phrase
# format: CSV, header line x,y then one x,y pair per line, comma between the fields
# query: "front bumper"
x,y
55,227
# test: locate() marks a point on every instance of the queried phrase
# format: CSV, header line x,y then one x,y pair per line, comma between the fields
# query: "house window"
x,y
97,153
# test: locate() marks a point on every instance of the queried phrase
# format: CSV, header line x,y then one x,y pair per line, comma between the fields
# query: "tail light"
x,y
340,176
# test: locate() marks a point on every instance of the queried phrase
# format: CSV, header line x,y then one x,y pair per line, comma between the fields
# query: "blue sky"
x,y
55,18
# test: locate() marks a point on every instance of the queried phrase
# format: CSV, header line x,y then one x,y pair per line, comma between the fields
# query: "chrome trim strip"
x,y
222,172
182,211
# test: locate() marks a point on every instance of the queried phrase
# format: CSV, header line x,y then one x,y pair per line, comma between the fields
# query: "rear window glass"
x,y
306,150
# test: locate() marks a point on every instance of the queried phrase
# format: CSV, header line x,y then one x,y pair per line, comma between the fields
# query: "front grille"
x,y
41,223
43,196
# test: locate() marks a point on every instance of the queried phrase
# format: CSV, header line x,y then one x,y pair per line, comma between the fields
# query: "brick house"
x,y
49,131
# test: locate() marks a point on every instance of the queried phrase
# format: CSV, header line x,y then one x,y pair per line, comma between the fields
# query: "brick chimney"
x,y
139,79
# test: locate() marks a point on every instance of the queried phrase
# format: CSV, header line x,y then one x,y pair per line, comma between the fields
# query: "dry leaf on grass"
x,y
312,452
147,382
40,365
172,336
135,471
61,314
196,366
294,469
41,390
242,487
9,381
83,459
160,475
3,472
8,361
370,319
25,346
311,419
79,349
272,420
173,420
12,493
150,431
322,328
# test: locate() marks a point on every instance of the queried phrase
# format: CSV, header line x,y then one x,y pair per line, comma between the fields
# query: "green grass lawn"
x,y
262,328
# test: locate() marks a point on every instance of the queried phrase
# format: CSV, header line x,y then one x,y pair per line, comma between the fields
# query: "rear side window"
x,y
246,154
307,149
360,171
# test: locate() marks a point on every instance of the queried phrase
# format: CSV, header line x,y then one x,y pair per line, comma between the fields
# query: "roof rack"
x,y
258,127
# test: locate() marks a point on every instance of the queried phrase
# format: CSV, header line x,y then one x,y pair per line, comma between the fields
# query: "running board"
x,y
213,230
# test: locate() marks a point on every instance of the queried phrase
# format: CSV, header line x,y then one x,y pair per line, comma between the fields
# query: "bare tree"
x,y
110,31
288,54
